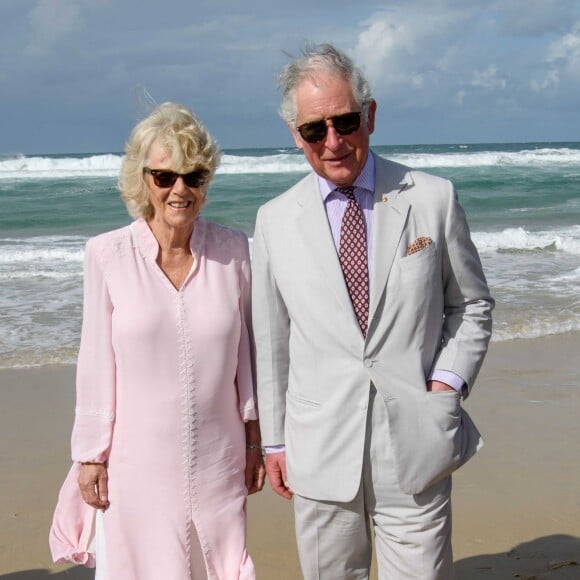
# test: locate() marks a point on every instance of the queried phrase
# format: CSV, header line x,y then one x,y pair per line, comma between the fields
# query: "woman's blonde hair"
x,y
180,131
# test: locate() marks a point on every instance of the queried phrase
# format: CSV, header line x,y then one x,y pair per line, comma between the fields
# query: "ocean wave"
x,y
525,158
23,167
25,359
521,240
28,275
534,329
41,257
109,165
11,255
70,249
282,161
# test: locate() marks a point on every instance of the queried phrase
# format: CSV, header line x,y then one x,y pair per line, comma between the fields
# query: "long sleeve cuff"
x,y
274,448
449,378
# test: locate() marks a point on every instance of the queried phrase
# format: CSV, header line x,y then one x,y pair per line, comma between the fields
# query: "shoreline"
x,y
516,504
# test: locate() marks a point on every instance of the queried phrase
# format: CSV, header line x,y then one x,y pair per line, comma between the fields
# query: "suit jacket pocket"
x,y
422,265
431,436
416,259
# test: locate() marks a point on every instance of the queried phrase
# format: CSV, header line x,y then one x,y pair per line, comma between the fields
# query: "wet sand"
x,y
516,504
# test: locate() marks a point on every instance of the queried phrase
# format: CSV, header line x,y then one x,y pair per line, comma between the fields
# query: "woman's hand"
x,y
255,470
92,482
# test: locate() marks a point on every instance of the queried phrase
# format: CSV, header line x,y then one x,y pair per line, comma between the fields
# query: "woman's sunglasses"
x,y
315,131
164,178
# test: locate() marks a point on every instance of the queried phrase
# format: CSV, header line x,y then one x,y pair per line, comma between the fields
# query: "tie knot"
x,y
348,191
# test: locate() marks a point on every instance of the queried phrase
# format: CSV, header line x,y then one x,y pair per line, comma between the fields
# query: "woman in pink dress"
x,y
166,442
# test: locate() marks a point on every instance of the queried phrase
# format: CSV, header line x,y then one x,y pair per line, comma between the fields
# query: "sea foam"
x,y
535,157
290,161
56,257
520,239
22,167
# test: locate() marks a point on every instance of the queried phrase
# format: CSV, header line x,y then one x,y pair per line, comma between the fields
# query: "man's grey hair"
x,y
317,59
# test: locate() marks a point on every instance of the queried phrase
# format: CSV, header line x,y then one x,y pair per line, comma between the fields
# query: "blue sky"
x,y
73,73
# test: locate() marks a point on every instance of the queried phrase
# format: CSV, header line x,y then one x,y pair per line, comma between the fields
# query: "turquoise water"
x,y
522,201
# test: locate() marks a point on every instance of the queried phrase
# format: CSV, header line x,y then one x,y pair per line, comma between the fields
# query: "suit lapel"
x,y
390,216
389,219
312,223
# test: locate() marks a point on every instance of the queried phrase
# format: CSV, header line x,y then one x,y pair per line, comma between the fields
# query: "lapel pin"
x,y
384,198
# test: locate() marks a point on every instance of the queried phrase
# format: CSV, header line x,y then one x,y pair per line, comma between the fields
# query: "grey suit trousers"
x,y
412,532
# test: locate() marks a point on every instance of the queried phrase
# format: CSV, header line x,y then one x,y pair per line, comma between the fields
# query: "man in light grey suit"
x,y
372,317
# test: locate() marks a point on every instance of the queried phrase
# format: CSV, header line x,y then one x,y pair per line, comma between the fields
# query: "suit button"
x,y
368,363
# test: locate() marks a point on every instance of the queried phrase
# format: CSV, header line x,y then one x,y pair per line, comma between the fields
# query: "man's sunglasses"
x,y
315,131
164,178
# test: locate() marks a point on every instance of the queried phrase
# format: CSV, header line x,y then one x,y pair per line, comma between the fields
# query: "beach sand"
x,y
516,504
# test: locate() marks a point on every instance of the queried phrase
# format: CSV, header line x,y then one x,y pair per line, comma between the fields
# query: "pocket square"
x,y
418,245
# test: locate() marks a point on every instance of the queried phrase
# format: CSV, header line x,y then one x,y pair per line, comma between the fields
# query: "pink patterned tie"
x,y
353,257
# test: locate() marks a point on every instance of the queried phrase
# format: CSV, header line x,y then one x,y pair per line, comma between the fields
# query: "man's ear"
x,y
296,137
372,109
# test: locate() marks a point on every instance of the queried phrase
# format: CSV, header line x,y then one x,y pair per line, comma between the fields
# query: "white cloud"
x,y
50,21
488,79
550,81
561,63
397,48
381,47
566,50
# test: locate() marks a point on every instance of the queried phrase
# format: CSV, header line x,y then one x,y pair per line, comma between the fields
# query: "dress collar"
x,y
148,245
